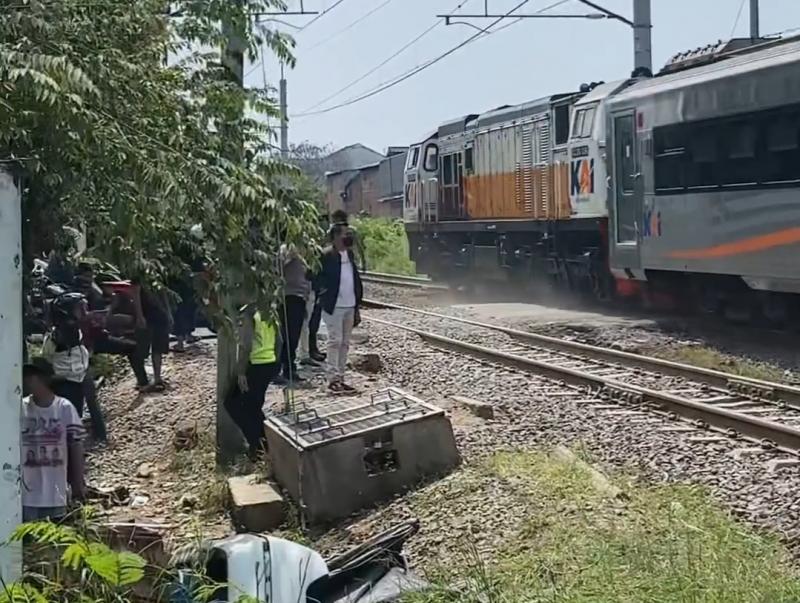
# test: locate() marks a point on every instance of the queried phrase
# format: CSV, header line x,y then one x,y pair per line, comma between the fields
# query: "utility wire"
x,y
350,26
419,68
322,14
299,29
388,59
738,16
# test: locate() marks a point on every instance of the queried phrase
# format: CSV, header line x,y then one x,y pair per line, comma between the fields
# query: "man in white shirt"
x,y
340,292
52,447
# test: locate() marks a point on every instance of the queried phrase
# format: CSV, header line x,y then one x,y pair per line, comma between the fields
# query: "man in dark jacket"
x,y
340,297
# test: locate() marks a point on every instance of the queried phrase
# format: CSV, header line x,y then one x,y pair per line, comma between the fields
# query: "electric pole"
x,y
755,34
642,36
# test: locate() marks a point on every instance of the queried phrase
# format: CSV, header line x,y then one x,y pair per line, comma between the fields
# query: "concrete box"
x,y
347,454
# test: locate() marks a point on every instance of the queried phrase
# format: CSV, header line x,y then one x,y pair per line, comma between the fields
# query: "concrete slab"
x,y
257,506
476,407
777,464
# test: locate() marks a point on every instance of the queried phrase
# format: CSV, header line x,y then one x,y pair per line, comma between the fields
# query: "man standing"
x,y
153,326
295,293
54,432
257,366
340,292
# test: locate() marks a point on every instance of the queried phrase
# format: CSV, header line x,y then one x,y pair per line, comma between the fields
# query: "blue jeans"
x,y
43,513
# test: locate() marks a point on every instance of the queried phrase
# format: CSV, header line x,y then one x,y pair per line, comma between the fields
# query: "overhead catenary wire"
x,y
299,29
423,66
738,17
350,26
388,59
320,15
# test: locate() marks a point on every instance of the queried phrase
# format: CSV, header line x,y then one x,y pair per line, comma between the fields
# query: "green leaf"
x,y
21,593
117,569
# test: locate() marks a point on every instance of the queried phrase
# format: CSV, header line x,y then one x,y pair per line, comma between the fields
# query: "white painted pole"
x,y
10,372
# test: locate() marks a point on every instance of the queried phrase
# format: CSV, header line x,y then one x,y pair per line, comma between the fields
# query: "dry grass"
x,y
711,358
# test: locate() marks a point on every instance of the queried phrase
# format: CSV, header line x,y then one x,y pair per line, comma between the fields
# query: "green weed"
x,y
663,544
385,245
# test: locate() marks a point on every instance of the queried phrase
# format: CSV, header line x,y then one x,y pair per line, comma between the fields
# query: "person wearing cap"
x,y
51,432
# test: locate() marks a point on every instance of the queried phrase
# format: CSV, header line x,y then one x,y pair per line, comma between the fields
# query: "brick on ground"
x,y
257,506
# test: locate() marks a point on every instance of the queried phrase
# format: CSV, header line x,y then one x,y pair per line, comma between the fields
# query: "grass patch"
x,y
662,544
714,359
385,245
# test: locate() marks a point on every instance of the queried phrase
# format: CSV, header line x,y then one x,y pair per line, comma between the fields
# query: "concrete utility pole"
x,y
284,116
642,35
10,372
754,20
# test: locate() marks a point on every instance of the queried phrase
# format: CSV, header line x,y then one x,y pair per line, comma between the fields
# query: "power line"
x,y
322,14
394,55
350,26
299,29
738,16
419,68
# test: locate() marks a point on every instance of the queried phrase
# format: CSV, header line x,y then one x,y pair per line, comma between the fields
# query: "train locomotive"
x,y
683,188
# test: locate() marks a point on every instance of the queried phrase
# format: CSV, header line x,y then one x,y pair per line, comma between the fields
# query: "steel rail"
x,y
736,423
747,385
415,282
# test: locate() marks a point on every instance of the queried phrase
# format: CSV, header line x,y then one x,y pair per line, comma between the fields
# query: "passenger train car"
x,y
686,184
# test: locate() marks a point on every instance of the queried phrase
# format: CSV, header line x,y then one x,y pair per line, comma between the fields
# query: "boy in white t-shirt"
x,y
52,447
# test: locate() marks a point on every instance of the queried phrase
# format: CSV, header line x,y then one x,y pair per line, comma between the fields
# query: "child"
x,y
52,433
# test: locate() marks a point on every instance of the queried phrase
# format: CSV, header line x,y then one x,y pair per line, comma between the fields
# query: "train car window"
x,y
431,162
588,122
468,160
740,166
703,172
781,163
562,124
670,157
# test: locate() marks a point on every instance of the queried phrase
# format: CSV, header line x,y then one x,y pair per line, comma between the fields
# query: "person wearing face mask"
x,y
340,297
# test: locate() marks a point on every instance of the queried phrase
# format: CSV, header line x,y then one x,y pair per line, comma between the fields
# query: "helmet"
x,y
63,306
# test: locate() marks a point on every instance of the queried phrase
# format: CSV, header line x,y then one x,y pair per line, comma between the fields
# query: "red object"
x,y
123,287
628,287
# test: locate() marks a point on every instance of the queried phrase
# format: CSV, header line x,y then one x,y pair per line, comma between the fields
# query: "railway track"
x,y
414,282
765,412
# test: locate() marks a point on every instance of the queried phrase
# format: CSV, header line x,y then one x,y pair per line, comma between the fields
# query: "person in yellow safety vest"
x,y
258,363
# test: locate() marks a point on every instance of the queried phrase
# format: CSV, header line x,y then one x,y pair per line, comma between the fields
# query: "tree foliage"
x,y
109,137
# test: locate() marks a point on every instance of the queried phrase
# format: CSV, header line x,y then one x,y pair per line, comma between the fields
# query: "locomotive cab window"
x,y
413,158
562,124
431,162
469,166
583,124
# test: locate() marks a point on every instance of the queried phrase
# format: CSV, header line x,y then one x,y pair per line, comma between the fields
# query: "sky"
x,y
527,60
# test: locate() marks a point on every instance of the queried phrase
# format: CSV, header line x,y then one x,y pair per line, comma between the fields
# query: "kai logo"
x,y
652,224
582,177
